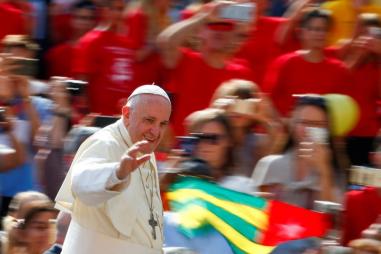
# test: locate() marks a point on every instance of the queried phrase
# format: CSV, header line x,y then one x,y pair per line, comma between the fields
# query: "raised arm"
x,y
97,178
172,38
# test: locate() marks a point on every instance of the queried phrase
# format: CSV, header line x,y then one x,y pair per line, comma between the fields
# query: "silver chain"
x,y
150,204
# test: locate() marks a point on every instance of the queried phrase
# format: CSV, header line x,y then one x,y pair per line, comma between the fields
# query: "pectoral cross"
x,y
153,223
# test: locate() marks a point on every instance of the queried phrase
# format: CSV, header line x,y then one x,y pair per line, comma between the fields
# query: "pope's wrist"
x,y
114,180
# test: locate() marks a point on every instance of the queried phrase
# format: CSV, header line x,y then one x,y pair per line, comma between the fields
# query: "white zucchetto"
x,y
149,89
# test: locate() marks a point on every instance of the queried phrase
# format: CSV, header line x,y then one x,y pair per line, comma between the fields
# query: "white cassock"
x,y
106,221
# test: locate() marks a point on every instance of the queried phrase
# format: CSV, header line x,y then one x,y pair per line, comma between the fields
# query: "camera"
x,y
244,107
375,32
187,144
238,12
25,66
75,87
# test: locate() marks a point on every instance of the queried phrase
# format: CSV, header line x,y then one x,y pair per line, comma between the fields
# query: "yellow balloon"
x,y
344,113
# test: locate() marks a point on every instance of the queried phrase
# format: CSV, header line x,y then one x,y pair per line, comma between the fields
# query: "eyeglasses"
x,y
314,100
312,123
317,29
210,138
223,26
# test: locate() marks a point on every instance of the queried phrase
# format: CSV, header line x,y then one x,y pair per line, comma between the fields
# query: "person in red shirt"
x,y
143,23
308,70
260,47
12,20
59,58
195,75
361,56
363,207
105,58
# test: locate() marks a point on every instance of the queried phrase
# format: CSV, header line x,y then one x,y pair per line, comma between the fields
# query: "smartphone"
x,y
244,107
375,32
238,12
187,144
103,121
75,87
317,134
25,66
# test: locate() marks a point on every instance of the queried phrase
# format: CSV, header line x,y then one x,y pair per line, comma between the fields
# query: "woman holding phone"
x,y
256,129
306,171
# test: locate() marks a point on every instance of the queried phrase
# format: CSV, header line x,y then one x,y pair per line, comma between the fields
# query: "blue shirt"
x,y
23,178
210,242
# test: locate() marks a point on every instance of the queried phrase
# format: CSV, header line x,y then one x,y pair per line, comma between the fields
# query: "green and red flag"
x,y
250,224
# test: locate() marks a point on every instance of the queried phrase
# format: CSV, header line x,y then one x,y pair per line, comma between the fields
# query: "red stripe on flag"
x,y
288,222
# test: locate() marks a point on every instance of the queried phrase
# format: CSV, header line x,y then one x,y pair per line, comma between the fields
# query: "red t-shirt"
x,y
362,208
292,74
13,21
193,83
261,47
61,27
59,60
108,62
366,91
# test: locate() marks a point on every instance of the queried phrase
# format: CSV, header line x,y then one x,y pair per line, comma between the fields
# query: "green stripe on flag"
x,y
239,217
222,193
246,229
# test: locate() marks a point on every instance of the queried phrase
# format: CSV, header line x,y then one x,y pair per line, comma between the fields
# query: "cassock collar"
x,y
124,132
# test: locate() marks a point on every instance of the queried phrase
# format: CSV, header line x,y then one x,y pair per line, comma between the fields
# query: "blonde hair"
x,y
14,40
241,88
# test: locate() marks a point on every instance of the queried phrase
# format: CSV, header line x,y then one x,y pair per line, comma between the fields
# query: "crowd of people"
x,y
244,106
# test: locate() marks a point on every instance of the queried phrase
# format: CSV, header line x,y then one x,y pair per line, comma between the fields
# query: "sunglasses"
x,y
315,100
209,138
221,26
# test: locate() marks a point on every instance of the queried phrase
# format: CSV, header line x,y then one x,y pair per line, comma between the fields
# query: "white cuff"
x,y
114,180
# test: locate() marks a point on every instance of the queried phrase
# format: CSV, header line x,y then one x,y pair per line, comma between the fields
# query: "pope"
x,y
112,187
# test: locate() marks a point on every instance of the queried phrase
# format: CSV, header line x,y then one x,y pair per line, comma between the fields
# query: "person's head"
x,y
20,46
18,204
113,11
213,129
314,27
217,37
84,17
240,89
368,23
310,111
20,214
146,114
241,33
36,228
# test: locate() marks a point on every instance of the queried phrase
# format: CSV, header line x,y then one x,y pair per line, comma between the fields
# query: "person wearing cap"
x,y
195,75
112,188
